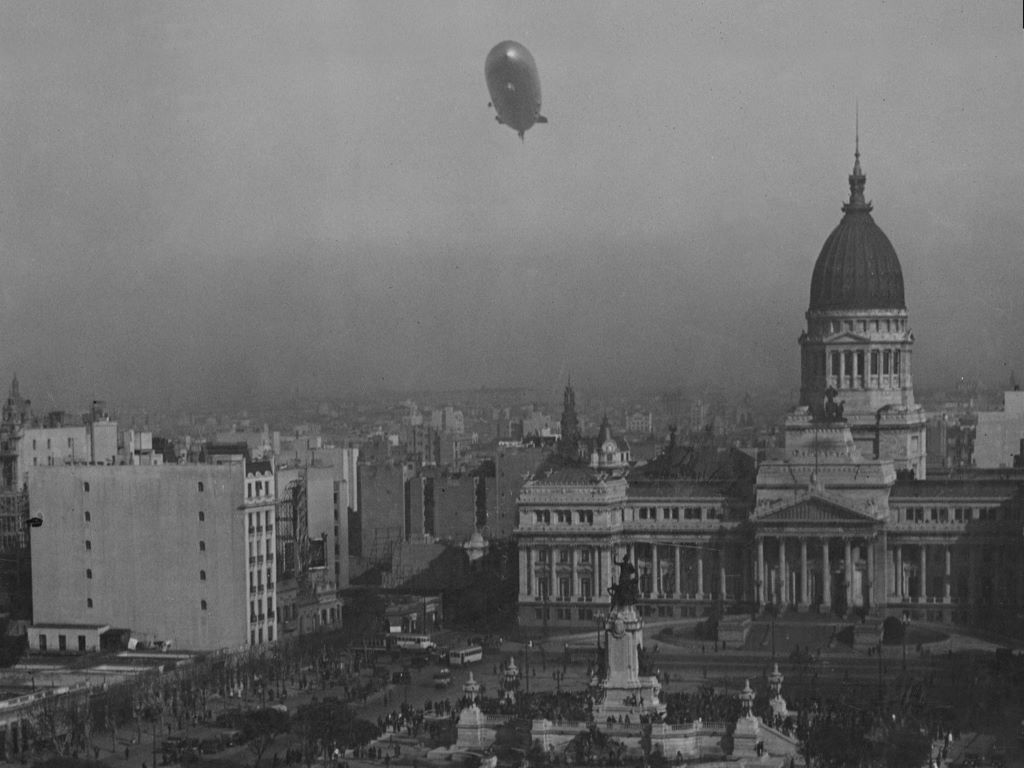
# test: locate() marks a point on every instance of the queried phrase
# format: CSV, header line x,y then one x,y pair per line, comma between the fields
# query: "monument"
x,y
623,694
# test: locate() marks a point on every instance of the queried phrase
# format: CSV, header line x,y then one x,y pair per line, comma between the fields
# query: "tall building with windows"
x,y
182,554
844,521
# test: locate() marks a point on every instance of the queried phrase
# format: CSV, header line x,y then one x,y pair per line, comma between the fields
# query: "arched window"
x,y
88,517
200,486
88,545
202,546
88,602
88,573
202,604
202,575
202,516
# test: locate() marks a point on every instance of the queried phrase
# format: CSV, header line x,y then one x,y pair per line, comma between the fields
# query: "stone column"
x,y
700,574
947,584
721,574
604,582
871,572
849,572
899,570
924,573
805,590
553,588
574,581
524,572
826,576
783,573
759,574
679,562
655,571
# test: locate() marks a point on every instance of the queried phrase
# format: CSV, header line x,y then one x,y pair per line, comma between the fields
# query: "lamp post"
x,y
905,621
558,676
526,665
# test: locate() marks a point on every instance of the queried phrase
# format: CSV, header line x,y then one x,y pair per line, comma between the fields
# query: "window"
x,y
563,555
201,486
202,575
85,486
874,362
691,513
88,573
564,517
42,639
88,602
202,516
88,517
202,605
584,555
585,588
81,643
71,442
896,362
88,545
202,546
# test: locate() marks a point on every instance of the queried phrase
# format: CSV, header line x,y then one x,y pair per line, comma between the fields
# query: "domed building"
x,y
841,522
856,351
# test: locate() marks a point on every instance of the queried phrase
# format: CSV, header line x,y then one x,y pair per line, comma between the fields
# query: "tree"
x,y
261,727
323,725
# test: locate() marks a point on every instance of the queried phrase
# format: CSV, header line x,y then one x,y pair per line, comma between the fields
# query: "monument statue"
x,y
626,592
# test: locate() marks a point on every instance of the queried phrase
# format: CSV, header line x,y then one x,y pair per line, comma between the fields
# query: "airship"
x,y
514,86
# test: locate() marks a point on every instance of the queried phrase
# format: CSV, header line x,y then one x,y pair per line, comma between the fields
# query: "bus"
x,y
407,642
458,657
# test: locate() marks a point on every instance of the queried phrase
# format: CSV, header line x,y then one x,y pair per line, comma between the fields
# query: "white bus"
x,y
458,657
407,642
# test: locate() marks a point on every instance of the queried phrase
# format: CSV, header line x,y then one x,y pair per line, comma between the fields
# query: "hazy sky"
x,y
208,200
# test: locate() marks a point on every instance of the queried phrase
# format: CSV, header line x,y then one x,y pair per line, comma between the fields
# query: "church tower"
x,y
856,351
569,445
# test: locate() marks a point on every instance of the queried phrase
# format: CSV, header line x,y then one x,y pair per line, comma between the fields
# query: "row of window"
x,y
588,614
564,516
676,513
88,515
88,545
954,515
888,325
85,483
565,555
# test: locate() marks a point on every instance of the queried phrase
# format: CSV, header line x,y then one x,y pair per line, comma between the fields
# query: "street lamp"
x,y
526,666
905,621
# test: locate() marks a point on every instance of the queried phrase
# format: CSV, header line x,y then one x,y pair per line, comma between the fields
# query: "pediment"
x,y
813,509
847,336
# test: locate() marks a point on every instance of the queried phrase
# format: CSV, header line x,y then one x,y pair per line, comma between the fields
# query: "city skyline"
x,y
242,204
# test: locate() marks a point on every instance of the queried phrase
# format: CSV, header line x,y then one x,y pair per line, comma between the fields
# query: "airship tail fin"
x,y
541,119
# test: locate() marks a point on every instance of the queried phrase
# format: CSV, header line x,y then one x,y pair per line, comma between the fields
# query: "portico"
x,y
817,553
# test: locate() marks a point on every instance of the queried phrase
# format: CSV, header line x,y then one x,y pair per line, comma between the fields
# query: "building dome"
x,y
857,267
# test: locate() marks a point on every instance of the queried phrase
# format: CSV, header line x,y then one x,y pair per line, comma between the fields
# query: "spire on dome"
x,y
857,178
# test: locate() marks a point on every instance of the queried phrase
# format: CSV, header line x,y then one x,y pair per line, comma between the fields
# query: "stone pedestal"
x,y
746,736
624,691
